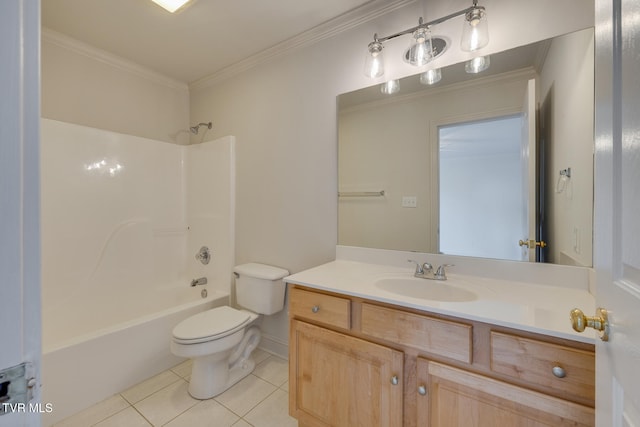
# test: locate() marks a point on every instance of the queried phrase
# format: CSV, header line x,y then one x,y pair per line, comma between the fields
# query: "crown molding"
x,y
342,23
74,45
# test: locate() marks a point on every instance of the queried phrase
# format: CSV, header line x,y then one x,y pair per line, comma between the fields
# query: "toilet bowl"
x,y
220,341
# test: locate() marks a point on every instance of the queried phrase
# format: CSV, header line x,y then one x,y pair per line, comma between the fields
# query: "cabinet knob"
x,y
422,390
395,380
559,371
315,308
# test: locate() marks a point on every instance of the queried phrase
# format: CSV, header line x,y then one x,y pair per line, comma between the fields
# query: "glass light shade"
x,y
431,77
374,61
390,87
420,47
171,5
477,65
475,31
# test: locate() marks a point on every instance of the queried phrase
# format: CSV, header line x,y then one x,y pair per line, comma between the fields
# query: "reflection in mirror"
x,y
427,170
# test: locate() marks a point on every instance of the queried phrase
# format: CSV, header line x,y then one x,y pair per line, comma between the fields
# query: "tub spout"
x,y
199,281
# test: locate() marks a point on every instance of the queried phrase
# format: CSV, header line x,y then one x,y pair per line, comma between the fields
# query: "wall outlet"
x,y
409,201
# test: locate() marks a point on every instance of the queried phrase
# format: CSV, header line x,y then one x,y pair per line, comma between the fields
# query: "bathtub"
x,y
86,362
121,220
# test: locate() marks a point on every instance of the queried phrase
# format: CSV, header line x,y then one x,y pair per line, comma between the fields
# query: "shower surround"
x,y
122,220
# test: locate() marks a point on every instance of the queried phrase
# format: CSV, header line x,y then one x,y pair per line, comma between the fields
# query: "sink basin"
x,y
425,289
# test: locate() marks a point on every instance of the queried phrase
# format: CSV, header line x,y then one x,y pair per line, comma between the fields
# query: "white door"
x,y
19,211
528,159
617,210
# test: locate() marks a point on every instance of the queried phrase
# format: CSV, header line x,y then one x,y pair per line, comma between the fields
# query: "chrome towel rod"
x,y
361,193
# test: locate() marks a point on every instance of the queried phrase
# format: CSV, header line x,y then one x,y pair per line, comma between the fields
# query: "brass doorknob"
x,y
600,322
531,244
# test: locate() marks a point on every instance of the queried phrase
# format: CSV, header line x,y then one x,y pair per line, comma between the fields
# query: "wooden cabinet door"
x,y
456,398
337,380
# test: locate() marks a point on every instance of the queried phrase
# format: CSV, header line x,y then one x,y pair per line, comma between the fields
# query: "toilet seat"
x,y
211,325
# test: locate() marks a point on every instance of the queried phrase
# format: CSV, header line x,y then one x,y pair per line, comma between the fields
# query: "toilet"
x,y
220,341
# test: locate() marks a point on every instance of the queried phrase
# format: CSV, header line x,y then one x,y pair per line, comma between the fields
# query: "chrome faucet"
x,y
422,269
199,281
440,273
425,271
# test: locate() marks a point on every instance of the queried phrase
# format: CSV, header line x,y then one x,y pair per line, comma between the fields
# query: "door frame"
x,y
20,197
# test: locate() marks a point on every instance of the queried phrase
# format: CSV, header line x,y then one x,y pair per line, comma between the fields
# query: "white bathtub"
x,y
126,341
122,218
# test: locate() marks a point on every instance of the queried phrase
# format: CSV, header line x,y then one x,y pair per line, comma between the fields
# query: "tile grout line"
x,y
111,415
131,404
142,415
149,395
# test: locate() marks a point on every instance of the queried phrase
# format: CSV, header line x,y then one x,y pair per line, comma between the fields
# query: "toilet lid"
x,y
210,324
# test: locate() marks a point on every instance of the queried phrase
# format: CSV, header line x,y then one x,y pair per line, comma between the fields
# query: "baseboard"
x,y
274,345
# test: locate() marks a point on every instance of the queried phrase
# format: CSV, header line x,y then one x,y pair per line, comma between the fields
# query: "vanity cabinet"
x,y
344,381
339,380
358,362
451,397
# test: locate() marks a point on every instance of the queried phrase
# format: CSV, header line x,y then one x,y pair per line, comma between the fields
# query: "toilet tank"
x,y
259,287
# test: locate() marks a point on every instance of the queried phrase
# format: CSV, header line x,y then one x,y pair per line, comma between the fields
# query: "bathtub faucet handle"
x,y
199,281
204,255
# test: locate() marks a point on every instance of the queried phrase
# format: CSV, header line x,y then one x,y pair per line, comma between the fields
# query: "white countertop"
x,y
539,308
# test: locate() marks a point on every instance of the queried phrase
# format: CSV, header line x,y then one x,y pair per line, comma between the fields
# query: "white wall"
x,y
569,64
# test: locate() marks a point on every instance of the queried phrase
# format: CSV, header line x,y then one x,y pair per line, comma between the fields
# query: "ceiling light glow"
x,y
171,5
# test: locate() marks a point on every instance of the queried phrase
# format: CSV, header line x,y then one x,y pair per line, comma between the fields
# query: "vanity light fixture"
x,y
423,47
390,87
420,48
475,32
431,77
374,62
477,65
171,5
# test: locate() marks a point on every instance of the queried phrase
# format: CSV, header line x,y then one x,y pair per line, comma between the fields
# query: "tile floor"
x,y
260,400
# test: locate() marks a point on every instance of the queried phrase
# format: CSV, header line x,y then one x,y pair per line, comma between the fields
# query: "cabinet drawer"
x,y
321,308
534,361
439,337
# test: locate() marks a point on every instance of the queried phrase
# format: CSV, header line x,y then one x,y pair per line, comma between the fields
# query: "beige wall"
x,y
568,117
89,87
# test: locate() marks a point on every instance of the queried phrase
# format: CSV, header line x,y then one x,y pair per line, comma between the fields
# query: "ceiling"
x,y
204,37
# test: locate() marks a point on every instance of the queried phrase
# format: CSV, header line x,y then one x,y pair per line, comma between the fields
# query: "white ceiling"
x,y
201,39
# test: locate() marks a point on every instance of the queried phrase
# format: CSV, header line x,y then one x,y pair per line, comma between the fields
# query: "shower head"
x,y
194,129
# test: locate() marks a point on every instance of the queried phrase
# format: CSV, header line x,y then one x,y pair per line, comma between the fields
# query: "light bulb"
x,y
420,47
475,30
431,77
374,61
390,87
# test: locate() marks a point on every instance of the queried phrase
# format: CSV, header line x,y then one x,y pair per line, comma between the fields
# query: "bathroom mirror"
x,y
497,164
